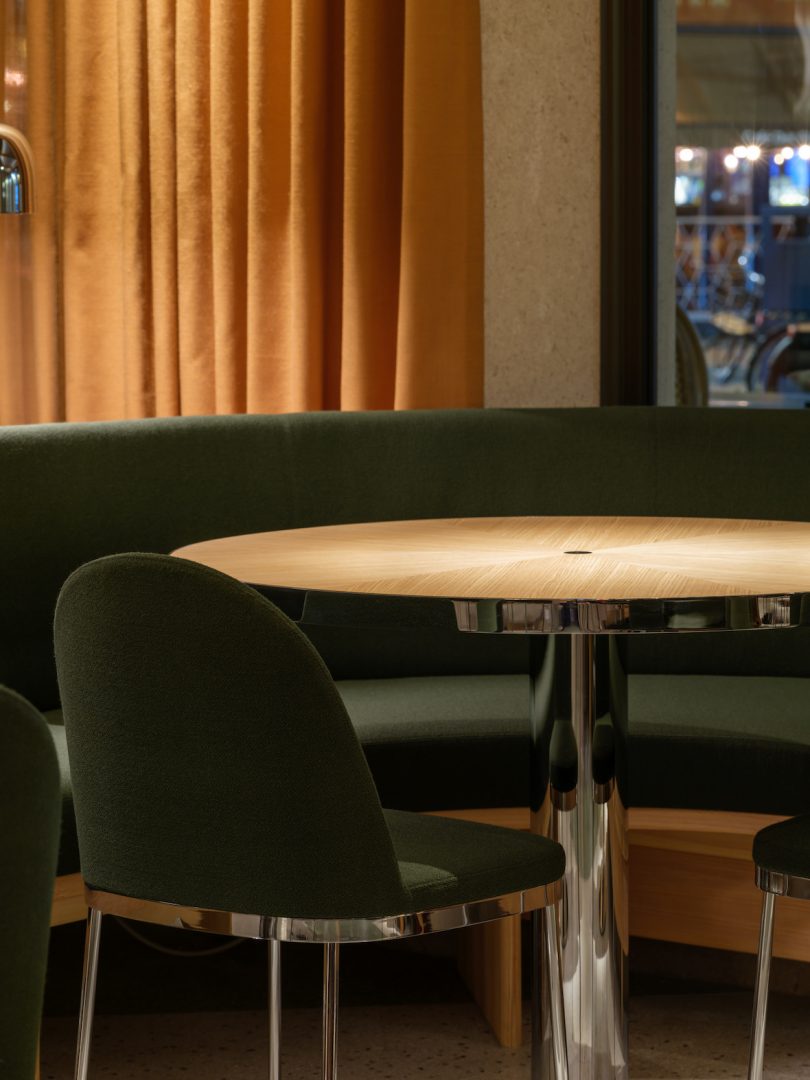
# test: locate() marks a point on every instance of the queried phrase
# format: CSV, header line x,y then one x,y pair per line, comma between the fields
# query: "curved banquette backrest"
x,y
73,492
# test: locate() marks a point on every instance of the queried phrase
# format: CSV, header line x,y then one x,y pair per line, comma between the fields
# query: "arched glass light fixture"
x,y
16,172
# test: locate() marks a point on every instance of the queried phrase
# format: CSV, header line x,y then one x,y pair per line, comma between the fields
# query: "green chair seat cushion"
x,y
785,847
444,861
719,742
444,742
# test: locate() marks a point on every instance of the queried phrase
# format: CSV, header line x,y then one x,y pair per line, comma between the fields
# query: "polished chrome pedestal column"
x,y
575,796
575,800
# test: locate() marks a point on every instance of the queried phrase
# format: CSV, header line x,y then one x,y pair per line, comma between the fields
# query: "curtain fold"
x,y
251,205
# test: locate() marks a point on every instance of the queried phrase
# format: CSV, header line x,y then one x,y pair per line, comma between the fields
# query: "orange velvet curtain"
x,y
248,205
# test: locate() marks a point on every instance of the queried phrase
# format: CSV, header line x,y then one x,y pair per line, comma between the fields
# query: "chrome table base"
x,y
586,816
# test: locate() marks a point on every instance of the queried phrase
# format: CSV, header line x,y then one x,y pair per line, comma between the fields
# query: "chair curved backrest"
x,y
213,762
30,804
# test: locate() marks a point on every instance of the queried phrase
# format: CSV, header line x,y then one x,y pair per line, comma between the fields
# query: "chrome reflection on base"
x,y
594,928
783,884
602,792
553,962
630,617
267,927
563,800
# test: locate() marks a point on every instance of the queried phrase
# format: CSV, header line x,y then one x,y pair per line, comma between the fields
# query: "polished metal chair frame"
x,y
331,933
773,884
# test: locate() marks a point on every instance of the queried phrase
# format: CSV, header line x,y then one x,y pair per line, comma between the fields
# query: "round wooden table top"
x,y
542,558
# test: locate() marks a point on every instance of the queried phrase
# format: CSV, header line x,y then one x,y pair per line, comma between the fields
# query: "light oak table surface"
x,y
543,558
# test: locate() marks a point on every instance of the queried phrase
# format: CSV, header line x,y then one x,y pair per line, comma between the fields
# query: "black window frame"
x,y
629,174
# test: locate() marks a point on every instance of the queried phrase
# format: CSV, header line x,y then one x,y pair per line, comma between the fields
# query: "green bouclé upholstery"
x,y
431,742
444,861
29,836
214,763
719,742
785,847
444,742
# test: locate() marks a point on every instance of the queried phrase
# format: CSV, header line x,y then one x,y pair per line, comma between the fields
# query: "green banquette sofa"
x,y
715,722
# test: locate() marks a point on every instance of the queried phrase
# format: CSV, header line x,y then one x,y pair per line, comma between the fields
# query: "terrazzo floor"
x,y
405,1013
674,1037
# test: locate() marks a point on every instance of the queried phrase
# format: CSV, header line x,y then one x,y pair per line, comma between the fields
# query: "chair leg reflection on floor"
x,y
220,787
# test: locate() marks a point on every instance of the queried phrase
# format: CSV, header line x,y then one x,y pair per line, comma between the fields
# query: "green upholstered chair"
x,y
29,837
782,860
219,786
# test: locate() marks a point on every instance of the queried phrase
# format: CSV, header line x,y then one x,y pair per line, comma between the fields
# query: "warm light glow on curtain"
x,y
250,205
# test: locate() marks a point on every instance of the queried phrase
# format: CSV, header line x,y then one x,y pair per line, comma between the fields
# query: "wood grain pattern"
x,y
489,961
709,900
540,558
68,900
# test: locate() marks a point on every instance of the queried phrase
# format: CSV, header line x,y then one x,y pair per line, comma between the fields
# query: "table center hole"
x,y
577,553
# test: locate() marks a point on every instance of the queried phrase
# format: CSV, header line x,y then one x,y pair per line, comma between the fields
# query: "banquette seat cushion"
x,y
443,715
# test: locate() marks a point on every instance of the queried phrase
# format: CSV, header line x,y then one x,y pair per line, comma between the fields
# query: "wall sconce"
x,y
16,172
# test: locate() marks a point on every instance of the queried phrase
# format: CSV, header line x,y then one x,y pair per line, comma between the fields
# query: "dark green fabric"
x,y
214,763
445,742
432,743
444,862
29,835
718,743
785,847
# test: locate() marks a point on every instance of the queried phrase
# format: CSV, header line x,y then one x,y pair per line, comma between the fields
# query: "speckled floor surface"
x,y
674,1037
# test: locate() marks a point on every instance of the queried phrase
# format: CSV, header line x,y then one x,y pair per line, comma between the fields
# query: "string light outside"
x,y
751,152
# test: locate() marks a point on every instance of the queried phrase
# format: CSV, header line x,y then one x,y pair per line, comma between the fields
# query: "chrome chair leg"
x,y
330,1010
757,1052
558,1037
87,1007
274,1007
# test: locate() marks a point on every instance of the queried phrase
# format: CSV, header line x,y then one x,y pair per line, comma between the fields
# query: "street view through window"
x,y
742,196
